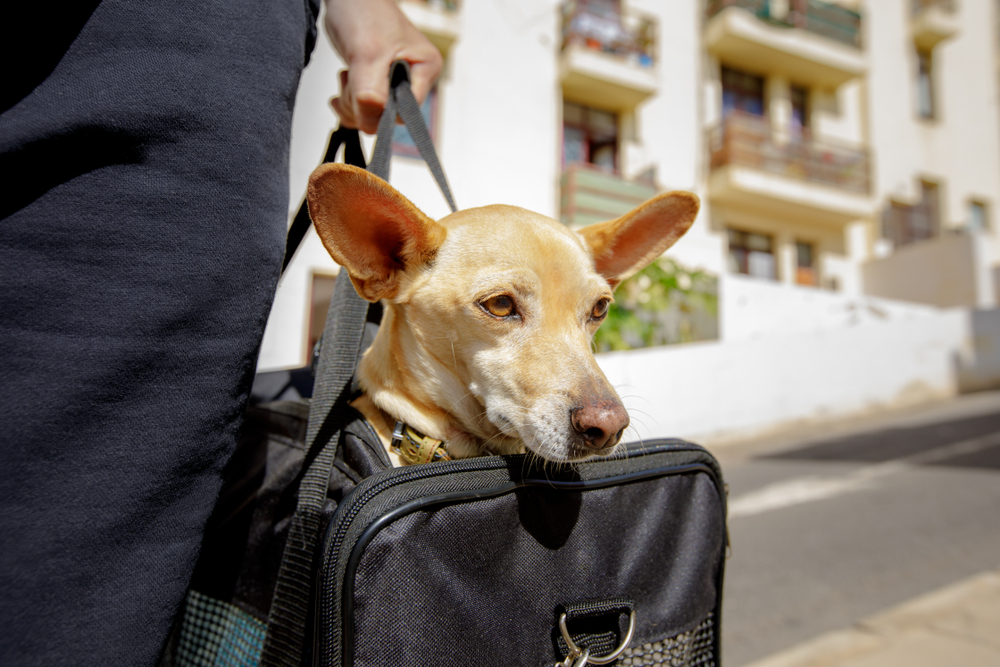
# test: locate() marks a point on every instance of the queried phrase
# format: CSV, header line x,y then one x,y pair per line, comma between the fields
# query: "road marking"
x,y
810,489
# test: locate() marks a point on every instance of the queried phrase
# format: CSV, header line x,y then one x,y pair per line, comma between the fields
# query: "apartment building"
x,y
850,147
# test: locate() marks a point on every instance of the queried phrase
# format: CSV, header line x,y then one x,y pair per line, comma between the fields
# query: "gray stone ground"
x,y
833,524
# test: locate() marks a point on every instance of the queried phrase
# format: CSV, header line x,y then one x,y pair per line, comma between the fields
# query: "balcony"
x,y
933,21
436,19
814,42
590,194
799,178
608,59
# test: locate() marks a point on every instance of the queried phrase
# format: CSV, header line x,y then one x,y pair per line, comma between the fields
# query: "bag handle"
x,y
402,102
409,111
329,408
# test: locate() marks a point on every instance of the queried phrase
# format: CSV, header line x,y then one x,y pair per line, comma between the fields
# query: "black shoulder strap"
x,y
331,394
352,155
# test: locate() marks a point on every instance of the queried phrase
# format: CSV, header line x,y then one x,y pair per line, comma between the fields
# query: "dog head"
x,y
489,313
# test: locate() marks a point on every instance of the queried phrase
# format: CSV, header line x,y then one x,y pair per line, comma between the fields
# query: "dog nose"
x,y
599,423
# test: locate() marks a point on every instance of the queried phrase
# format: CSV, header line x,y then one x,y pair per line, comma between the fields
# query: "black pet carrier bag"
x,y
321,553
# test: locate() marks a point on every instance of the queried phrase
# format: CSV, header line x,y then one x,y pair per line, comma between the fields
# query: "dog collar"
x,y
415,447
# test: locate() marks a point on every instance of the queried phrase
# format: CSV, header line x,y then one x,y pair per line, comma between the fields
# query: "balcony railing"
x,y
746,140
918,6
444,5
590,25
591,194
758,7
821,18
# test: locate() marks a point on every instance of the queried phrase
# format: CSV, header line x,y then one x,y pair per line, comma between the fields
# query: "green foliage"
x,y
663,304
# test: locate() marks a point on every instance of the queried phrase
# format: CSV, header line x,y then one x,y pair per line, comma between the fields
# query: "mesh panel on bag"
x,y
216,634
688,649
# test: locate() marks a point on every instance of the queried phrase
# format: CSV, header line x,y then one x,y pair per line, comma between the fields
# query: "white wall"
x,y
284,344
754,308
669,124
839,116
715,389
501,111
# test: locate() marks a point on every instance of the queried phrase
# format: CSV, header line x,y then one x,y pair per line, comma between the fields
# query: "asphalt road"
x,y
835,523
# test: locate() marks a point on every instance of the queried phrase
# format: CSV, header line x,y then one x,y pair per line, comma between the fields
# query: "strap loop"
x,y
575,650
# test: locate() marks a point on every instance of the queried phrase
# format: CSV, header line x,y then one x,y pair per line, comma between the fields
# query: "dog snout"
x,y
599,423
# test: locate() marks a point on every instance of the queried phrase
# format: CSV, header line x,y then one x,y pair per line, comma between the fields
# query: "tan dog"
x,y
485,343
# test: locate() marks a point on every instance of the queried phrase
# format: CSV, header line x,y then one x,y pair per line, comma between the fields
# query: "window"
x,y
590,136
805,260
904,224
596,24
742,92
800,111
927,214
402,142
751,254
925,85
977,217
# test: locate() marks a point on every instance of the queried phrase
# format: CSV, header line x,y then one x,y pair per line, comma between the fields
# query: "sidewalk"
x,y
956,625
798,434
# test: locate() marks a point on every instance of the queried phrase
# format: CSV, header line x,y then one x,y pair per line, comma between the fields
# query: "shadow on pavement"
x,y
898,443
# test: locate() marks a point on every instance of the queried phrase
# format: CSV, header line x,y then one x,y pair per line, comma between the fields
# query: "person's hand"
x,y
370,35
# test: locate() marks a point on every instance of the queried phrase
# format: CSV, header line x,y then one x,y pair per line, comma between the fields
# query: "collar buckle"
x,y
413,447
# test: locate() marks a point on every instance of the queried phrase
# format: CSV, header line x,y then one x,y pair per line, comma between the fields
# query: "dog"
x,y
485,345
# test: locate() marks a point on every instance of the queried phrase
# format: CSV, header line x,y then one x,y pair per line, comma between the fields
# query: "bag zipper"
x,y
343,523
410,474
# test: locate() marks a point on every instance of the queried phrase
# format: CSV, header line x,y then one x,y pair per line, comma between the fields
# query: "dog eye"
x,y
600,309
499,306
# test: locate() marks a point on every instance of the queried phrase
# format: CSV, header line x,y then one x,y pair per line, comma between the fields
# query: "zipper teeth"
x,y
485,463
488,463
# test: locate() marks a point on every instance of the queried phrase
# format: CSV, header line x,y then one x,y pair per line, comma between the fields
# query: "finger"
x,y
423,74
344,111
368,86
342,104
369,116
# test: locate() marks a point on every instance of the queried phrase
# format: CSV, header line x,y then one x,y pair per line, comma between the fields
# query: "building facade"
x,y
847,148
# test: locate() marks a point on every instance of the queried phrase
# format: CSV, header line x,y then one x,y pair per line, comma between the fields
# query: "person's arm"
x,y
370,35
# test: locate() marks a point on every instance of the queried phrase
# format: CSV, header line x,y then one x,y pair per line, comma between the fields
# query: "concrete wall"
x,y
952,270
726,388
752,309
979,368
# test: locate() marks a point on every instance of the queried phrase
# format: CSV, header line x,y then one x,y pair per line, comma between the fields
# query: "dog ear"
x,y
624,246
369,228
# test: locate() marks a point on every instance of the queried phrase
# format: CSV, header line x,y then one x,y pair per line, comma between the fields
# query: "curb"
x,y
958,622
